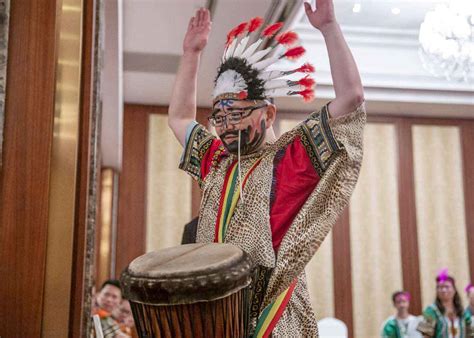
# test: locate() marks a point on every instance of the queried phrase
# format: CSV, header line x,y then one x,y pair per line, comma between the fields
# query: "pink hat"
x,y
443,276
469,287
404,294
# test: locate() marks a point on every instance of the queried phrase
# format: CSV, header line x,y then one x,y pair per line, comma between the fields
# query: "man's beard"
x,y
246,146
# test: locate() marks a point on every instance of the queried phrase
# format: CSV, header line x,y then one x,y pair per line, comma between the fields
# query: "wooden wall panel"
x,y
131,222
77,319
25,177
407,215
342,271
467,139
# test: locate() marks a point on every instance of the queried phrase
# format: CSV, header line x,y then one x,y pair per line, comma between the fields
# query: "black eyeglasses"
x,y
233,115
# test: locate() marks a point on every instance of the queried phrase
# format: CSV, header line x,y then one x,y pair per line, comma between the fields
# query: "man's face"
x,y
252,124
402,303
445,290
123,313
109,298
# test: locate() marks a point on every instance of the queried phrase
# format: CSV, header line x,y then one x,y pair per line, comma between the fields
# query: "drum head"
x,y
187,274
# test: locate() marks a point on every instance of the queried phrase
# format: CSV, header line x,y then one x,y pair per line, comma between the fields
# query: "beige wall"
x,y
439,206
169,189
375,235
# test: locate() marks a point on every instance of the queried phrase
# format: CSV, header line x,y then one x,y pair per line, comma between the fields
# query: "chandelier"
x,y
447,41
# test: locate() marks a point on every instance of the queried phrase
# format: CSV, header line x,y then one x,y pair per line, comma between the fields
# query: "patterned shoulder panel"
x,y
318,139
198,144
431,316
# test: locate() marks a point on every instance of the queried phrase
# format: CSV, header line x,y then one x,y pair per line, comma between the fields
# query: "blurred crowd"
x,y
446,317
113,310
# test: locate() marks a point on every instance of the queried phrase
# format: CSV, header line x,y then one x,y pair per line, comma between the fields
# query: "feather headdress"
x,y
244,71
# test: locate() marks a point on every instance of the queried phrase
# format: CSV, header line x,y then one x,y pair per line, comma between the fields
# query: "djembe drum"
x,y
193,290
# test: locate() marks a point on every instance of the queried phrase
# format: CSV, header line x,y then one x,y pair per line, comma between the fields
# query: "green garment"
x,y
468,314
433,316
469,319
391,329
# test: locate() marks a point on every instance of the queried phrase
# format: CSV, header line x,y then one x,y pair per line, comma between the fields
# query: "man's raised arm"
x,y
346,78
182,109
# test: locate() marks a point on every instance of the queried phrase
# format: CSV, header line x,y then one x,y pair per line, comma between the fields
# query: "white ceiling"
x,y
378,13
154,29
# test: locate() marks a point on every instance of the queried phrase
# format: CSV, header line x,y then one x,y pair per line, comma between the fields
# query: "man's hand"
x,y
345,76
182,108
198,31
323,16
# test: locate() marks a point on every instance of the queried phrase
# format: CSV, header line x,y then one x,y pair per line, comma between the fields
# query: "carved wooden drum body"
x,y
193,290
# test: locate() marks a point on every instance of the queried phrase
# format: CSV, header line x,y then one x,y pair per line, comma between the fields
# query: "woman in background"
x,y
444,318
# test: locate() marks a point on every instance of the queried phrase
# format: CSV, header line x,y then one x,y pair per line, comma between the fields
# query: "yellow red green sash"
x,y
229,198
272,313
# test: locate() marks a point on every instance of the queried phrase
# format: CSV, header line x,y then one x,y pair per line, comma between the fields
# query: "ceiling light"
x,y
447,41
395,10
356,8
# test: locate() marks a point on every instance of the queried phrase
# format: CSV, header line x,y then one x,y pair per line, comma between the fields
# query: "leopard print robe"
x,y
334,146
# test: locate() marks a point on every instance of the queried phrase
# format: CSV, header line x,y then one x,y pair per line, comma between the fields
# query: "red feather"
x,y
240,29
272,29
307,82
308,95
287,38
306,68
294,53
255,23
230,37
234,32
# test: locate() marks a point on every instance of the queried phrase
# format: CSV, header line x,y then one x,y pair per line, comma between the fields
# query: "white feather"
x,y
253,47
259,55
230,50
280,92
229,82
279,51
276,84
290,85
265,63
271,74
240,48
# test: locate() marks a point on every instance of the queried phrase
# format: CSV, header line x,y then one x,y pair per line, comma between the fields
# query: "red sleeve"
x,y
212,157
294,178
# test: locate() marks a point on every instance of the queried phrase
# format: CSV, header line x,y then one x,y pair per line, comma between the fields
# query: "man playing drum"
x,y
275,198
